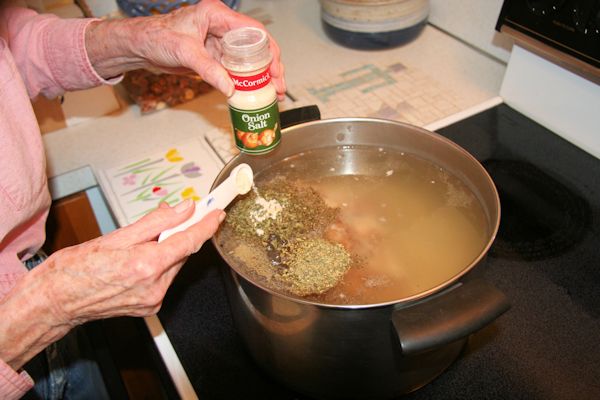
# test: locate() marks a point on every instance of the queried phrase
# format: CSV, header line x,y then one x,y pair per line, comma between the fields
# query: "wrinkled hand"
x,y
126,272
187,39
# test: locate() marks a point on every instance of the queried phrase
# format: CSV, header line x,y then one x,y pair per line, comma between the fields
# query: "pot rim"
x,y
405,300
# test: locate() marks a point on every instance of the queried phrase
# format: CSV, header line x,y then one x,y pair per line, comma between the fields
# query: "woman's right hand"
x,y
126,272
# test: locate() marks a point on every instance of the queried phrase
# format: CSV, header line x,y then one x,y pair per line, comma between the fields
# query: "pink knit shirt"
x,y
39,54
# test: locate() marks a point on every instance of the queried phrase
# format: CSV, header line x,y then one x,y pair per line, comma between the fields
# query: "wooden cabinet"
x,y
71,221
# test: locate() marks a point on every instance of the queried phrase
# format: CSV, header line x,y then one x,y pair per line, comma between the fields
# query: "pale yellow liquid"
x,y
410,223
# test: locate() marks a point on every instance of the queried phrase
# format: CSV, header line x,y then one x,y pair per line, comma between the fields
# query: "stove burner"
x,y
541,217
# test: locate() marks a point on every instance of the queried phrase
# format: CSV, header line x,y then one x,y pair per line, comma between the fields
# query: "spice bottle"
x,y
253,106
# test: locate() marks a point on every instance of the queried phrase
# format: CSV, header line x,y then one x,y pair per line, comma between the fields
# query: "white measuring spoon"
x,y
239,181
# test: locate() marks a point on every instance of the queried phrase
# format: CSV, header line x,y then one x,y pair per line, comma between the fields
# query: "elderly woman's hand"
x,y
126,272
187,39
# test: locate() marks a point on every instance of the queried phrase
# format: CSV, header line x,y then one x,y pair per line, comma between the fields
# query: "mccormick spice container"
x,y
253,106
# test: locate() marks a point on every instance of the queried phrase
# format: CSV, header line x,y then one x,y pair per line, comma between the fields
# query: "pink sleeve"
x,y
50,52
13,385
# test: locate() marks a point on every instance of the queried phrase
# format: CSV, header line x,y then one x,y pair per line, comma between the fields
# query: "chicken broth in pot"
x,y
376,225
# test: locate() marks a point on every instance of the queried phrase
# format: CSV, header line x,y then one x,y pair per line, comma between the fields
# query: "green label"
x,y
256,131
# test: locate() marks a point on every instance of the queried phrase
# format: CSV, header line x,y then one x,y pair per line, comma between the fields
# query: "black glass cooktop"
x,y
546,259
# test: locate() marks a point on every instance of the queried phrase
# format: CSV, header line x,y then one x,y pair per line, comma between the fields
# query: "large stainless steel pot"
x,y
366,351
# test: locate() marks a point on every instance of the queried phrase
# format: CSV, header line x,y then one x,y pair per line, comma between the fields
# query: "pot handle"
x,y
449,316
299,115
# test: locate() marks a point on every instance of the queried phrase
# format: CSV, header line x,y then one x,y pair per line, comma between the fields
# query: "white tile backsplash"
x,y
473,21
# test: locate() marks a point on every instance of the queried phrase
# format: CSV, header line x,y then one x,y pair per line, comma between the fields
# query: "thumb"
x,y
211,71
214,73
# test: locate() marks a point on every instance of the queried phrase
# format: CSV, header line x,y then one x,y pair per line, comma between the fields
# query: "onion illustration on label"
x,y
252,140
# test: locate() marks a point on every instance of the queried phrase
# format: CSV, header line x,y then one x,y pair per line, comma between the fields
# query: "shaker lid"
x,y
245,49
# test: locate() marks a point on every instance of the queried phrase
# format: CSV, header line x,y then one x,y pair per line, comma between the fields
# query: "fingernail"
x,y
184,205
222,216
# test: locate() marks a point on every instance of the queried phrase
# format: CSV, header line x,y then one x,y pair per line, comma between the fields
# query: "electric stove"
x,y
546,259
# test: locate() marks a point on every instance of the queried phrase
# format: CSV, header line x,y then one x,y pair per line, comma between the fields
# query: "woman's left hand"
x,y
185,40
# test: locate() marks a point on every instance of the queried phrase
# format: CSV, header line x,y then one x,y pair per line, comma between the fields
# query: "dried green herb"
x,y
303,212
280,234
314,266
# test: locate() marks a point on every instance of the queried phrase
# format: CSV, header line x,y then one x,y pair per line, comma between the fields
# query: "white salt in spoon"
x,y
239,181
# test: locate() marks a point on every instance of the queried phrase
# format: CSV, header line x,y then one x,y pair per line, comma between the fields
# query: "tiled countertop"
x,y
456,71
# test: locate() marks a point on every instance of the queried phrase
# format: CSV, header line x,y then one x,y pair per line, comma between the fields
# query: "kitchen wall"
x,y
472,21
